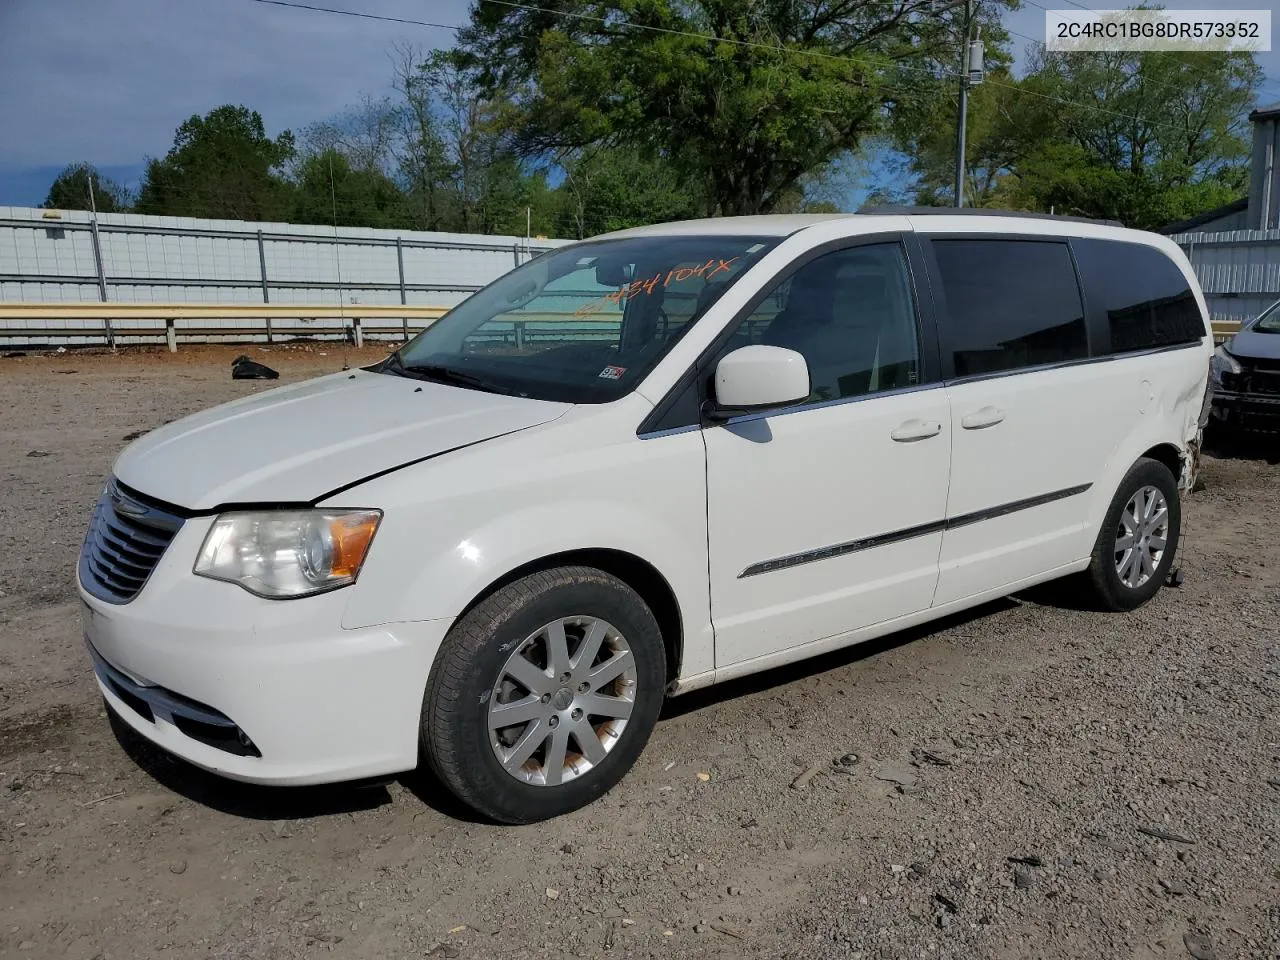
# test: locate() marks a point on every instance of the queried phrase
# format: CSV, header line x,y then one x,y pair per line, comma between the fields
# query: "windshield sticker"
x,y
612,373
704,270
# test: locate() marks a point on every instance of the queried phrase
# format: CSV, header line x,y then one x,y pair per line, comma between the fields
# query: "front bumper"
x,y
1246,411
271,692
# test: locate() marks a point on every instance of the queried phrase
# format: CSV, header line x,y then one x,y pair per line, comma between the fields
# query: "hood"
x,y
296,443
1250,344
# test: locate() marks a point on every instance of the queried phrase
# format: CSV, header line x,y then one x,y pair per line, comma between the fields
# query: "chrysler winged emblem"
x,y
126,504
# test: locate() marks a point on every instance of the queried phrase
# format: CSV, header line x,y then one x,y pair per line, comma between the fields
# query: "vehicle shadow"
x,y
1063,594
245,800
1238,445
254,802
429,791
781,676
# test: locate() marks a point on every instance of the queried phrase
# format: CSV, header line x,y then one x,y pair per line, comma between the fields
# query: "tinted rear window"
x,y
1147,299
1010,304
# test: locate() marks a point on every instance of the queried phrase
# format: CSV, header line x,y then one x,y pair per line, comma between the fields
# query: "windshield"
x,y
581,324
1269,322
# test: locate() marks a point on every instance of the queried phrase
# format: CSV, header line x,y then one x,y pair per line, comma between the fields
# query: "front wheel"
x,y
544,694
1138,540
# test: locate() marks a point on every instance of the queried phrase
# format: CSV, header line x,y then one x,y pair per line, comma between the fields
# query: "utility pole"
x,y
971,73
964,104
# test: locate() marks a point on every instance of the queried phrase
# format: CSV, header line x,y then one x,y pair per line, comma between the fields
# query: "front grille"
x,y
127,537
1255,376
1235,382
1265,381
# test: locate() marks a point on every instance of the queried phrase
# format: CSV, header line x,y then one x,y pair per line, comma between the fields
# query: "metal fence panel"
x,y
1239,270
55,257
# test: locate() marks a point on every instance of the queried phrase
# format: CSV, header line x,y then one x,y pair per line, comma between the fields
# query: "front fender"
x,y
453,527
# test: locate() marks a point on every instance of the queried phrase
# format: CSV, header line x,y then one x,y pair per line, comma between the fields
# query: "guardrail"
x,y
1223,329
172,320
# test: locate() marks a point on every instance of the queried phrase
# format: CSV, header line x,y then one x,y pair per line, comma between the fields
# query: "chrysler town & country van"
x,y
639,465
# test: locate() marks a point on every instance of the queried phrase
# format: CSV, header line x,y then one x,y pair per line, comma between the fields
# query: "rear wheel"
x,y
1138,540
544,694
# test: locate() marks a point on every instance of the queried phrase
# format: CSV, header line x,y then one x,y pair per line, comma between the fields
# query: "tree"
x,y
367,134
221,165
70,191
424,166
1141,137
997,135
744,97
485,176
330,191
614,188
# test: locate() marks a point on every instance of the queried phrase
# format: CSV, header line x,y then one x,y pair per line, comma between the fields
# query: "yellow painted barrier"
x,y
15,319
113,315
1224,328
208,311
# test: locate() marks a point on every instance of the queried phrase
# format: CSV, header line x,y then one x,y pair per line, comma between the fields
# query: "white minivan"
x,y
636,466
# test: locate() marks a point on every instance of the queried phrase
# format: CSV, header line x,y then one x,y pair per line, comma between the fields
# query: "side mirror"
x,y
758,378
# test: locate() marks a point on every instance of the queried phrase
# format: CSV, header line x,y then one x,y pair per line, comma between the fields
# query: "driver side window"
x,y
851,315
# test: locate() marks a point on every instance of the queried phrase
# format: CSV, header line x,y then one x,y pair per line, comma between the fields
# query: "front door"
x,y
827,516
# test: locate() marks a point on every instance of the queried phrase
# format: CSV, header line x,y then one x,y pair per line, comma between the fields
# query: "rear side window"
x,y
1147,298
1010,304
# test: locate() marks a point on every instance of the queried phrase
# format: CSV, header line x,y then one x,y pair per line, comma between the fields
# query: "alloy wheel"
x,y
1141,537
562,701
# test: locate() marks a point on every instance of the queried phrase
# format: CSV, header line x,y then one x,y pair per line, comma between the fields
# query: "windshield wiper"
x,y
393,362
441,374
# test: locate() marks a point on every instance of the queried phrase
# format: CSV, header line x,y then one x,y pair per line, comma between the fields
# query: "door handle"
x,y
913,430
981,419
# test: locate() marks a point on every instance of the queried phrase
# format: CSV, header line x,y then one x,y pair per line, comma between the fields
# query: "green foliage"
x,y
760,96
1144,138
642,111
614,188
221,165
327,190
482,177
424,165
997,136
70,191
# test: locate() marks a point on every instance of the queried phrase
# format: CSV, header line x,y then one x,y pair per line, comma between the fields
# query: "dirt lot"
x,y
1131,762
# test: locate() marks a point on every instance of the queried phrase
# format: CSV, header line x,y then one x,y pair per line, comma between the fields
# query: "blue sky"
x,y
108,81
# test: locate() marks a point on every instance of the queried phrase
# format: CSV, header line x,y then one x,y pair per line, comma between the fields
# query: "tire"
x,y
500,651
1102,582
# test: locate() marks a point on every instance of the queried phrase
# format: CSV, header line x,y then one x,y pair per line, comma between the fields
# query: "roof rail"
x,y
981,212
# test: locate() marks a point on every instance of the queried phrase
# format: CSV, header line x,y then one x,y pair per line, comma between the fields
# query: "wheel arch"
x,y
1169,455
640,575
1150,444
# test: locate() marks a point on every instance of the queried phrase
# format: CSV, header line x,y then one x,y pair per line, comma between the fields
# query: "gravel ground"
x,y
1026,780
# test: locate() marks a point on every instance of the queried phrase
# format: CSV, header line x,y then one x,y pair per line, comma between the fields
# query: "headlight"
x,y
288,553
1221,363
